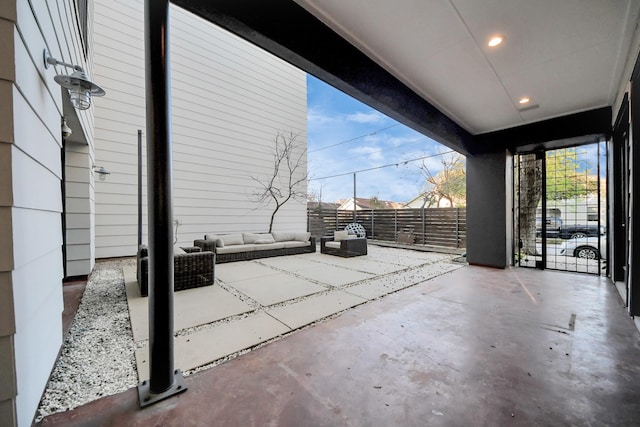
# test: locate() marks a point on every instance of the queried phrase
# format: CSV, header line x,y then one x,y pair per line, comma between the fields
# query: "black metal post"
x,y
395,225
373,230
63,191
139,188
164,381
354,197
542,156
457,227
424,234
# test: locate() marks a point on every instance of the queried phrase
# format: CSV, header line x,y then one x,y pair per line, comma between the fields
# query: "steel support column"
x,y
542,156
139,188
354,198
164,381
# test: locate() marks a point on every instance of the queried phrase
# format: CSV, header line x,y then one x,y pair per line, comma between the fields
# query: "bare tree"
x,y
448,184
289,174
314,195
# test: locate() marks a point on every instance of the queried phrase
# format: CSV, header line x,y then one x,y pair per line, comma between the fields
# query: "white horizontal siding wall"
x,y
229,98
31,269
79,208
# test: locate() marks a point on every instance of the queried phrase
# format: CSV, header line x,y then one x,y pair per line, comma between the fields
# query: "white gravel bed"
x,y
97,358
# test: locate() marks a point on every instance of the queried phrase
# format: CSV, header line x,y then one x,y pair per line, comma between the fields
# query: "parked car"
x,y
585,247
581,230
554,225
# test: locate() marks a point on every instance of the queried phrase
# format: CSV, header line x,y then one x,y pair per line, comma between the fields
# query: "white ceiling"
x,y
566,55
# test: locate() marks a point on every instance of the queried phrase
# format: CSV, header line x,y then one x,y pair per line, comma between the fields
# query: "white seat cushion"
x,y
234,249
268,246
333,245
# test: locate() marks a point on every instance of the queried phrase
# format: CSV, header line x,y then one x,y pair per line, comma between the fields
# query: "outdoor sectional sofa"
x,y
247,246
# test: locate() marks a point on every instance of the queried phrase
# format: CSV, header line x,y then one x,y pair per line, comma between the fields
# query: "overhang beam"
x,y
288,31
560,132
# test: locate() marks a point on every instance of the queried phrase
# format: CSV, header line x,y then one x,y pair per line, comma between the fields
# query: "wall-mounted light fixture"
x,y
66,130
80,87
102,172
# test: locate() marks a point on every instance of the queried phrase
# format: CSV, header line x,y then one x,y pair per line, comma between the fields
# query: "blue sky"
x,y
346,136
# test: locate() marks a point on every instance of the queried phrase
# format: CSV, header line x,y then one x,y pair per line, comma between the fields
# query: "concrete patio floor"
x,y
253,302
477,346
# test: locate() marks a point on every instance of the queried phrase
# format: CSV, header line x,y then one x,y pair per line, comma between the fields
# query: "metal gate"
x,y
560,209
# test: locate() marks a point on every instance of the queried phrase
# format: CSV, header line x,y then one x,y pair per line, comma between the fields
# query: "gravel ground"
x,y
97,358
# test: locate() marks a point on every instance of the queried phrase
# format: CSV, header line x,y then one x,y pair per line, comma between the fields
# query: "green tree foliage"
x,y
567,177
376,203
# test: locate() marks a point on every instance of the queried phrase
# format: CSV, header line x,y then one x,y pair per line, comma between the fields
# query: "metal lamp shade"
x,y
80,88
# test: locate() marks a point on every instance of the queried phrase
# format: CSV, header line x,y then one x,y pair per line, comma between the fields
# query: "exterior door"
x,y
561,215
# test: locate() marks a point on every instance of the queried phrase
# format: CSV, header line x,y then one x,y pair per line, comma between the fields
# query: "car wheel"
x,y
578,235
586,252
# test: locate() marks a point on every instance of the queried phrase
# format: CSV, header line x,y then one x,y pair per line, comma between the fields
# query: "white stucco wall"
x,y
229,98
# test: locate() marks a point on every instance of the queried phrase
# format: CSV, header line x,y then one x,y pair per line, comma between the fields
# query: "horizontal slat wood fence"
x,y
436,226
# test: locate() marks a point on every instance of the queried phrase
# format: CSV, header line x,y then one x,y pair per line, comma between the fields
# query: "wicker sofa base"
x,y
191,270
209,245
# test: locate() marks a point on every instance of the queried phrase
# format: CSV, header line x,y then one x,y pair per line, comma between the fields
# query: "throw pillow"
x,y
215,238
254,237
340,235
303,236
283,236
232,239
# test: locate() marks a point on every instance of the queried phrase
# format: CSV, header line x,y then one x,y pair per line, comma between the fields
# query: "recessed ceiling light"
x,y
495,41
524,100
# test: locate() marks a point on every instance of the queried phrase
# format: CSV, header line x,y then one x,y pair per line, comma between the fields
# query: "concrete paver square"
x,y
401,260
277,288
314,308
404,257
200,348
278,281
333,275
364,264
242,270
375,288
289,263
192,307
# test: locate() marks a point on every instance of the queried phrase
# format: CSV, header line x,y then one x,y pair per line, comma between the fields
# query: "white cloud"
x,y
370,117
373,154
317,117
